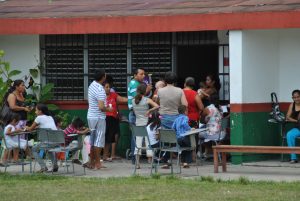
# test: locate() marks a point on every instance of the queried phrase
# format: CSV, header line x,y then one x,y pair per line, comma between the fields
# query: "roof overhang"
x,y
133,24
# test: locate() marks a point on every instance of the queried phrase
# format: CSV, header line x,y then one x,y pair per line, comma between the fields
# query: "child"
x,y
202,89
43,120
152,128
181,126
12,141
76,127
158,85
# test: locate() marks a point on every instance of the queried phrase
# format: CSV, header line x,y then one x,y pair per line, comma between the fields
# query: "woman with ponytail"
x,y
141,109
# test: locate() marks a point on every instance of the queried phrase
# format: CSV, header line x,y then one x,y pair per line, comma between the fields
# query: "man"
x,y
96,117
138,78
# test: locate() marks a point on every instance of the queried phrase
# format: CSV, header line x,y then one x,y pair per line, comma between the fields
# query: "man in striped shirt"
x,y
96,117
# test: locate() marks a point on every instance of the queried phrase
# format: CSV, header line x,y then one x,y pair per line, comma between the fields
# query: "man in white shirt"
x,y
96,117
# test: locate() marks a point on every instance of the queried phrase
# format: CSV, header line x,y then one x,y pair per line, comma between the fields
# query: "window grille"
x,y
153,52
63,56
109,51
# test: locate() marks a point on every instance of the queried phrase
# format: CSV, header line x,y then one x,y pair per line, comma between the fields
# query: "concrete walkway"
x,y
265,170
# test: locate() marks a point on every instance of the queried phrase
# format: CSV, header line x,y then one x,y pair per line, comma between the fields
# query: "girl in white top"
x,y
152,128
11,139
43,119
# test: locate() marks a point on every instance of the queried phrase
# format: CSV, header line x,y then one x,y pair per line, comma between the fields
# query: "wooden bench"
x,y
223,149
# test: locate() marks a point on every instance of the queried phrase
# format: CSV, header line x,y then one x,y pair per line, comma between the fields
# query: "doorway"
x,y
196,61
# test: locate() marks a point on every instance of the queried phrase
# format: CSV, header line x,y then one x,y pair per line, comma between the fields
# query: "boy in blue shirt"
x,y
181,126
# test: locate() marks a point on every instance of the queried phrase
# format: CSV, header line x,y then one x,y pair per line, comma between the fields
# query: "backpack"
x,y
275,114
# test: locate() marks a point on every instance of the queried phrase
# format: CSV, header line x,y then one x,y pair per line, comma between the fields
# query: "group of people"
x,y
173,108
167,107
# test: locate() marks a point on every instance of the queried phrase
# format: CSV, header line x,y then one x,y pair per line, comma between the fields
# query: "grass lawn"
x,y
56,188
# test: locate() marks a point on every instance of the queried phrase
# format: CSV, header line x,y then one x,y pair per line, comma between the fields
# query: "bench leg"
x,y
224,161
216,161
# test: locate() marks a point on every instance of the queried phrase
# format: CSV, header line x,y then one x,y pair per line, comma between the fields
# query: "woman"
x,y
170,98
16,101
141,110
212,88
195,105
112,122
293,116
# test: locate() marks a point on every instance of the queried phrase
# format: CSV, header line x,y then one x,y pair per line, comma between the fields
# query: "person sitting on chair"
x,y
293,115
181,126
212,119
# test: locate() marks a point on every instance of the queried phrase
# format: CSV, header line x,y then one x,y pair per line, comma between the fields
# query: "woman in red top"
x,y
112,121
195,105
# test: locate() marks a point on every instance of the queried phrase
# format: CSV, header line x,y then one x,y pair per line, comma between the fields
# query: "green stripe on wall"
x,y
253,128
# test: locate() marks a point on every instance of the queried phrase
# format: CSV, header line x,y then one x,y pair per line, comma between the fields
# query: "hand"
x,y
149,88
27,109
18,130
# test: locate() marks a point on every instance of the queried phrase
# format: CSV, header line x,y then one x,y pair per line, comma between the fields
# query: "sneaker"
x,y
293,161
76,161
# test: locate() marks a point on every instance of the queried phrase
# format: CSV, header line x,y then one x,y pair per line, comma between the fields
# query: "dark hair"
x,y
214,99
215,79
170,77
57,120
109,80
99,74
140,92
202,85
15,84
189,82
77,123
182,109
296,91
136,71
13,116
154,120
44,108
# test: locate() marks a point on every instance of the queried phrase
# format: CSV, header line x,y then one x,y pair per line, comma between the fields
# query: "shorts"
x,y
97,127
112,129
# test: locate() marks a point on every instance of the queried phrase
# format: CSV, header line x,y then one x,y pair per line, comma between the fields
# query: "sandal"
x,y
185,165
107,159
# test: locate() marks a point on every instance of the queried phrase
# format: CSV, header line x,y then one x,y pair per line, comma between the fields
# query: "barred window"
x,y
152,52
109,51
64,65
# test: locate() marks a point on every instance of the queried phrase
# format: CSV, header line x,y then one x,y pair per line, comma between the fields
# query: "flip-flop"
x,y
108,159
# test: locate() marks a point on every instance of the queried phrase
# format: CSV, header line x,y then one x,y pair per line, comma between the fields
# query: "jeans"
x,y
186,156
131,120
35,151
168,120
291,140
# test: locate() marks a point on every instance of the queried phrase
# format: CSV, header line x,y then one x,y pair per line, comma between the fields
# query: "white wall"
x,y
21,51
289,71
262,61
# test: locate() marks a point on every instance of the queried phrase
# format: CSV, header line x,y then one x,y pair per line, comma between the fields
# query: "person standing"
x,y
96,117
138,78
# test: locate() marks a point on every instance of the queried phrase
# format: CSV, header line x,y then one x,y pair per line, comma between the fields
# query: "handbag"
x,y
275,113
5,113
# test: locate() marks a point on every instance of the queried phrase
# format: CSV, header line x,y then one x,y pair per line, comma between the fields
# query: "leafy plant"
x,y
6,75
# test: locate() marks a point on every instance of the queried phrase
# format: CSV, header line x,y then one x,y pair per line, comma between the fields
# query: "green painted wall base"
x,y
253,128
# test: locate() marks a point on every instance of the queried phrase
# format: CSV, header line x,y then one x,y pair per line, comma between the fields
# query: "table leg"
x,y
224,161
216,161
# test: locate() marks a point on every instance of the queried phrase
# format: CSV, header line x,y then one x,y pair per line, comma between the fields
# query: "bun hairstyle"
x,y
140,92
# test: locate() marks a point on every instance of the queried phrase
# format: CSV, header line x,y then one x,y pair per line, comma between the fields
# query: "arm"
x,y
83,132
9,132
11,100
289,113
154,105
183,99
199,103
103,108
32,127
121,99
